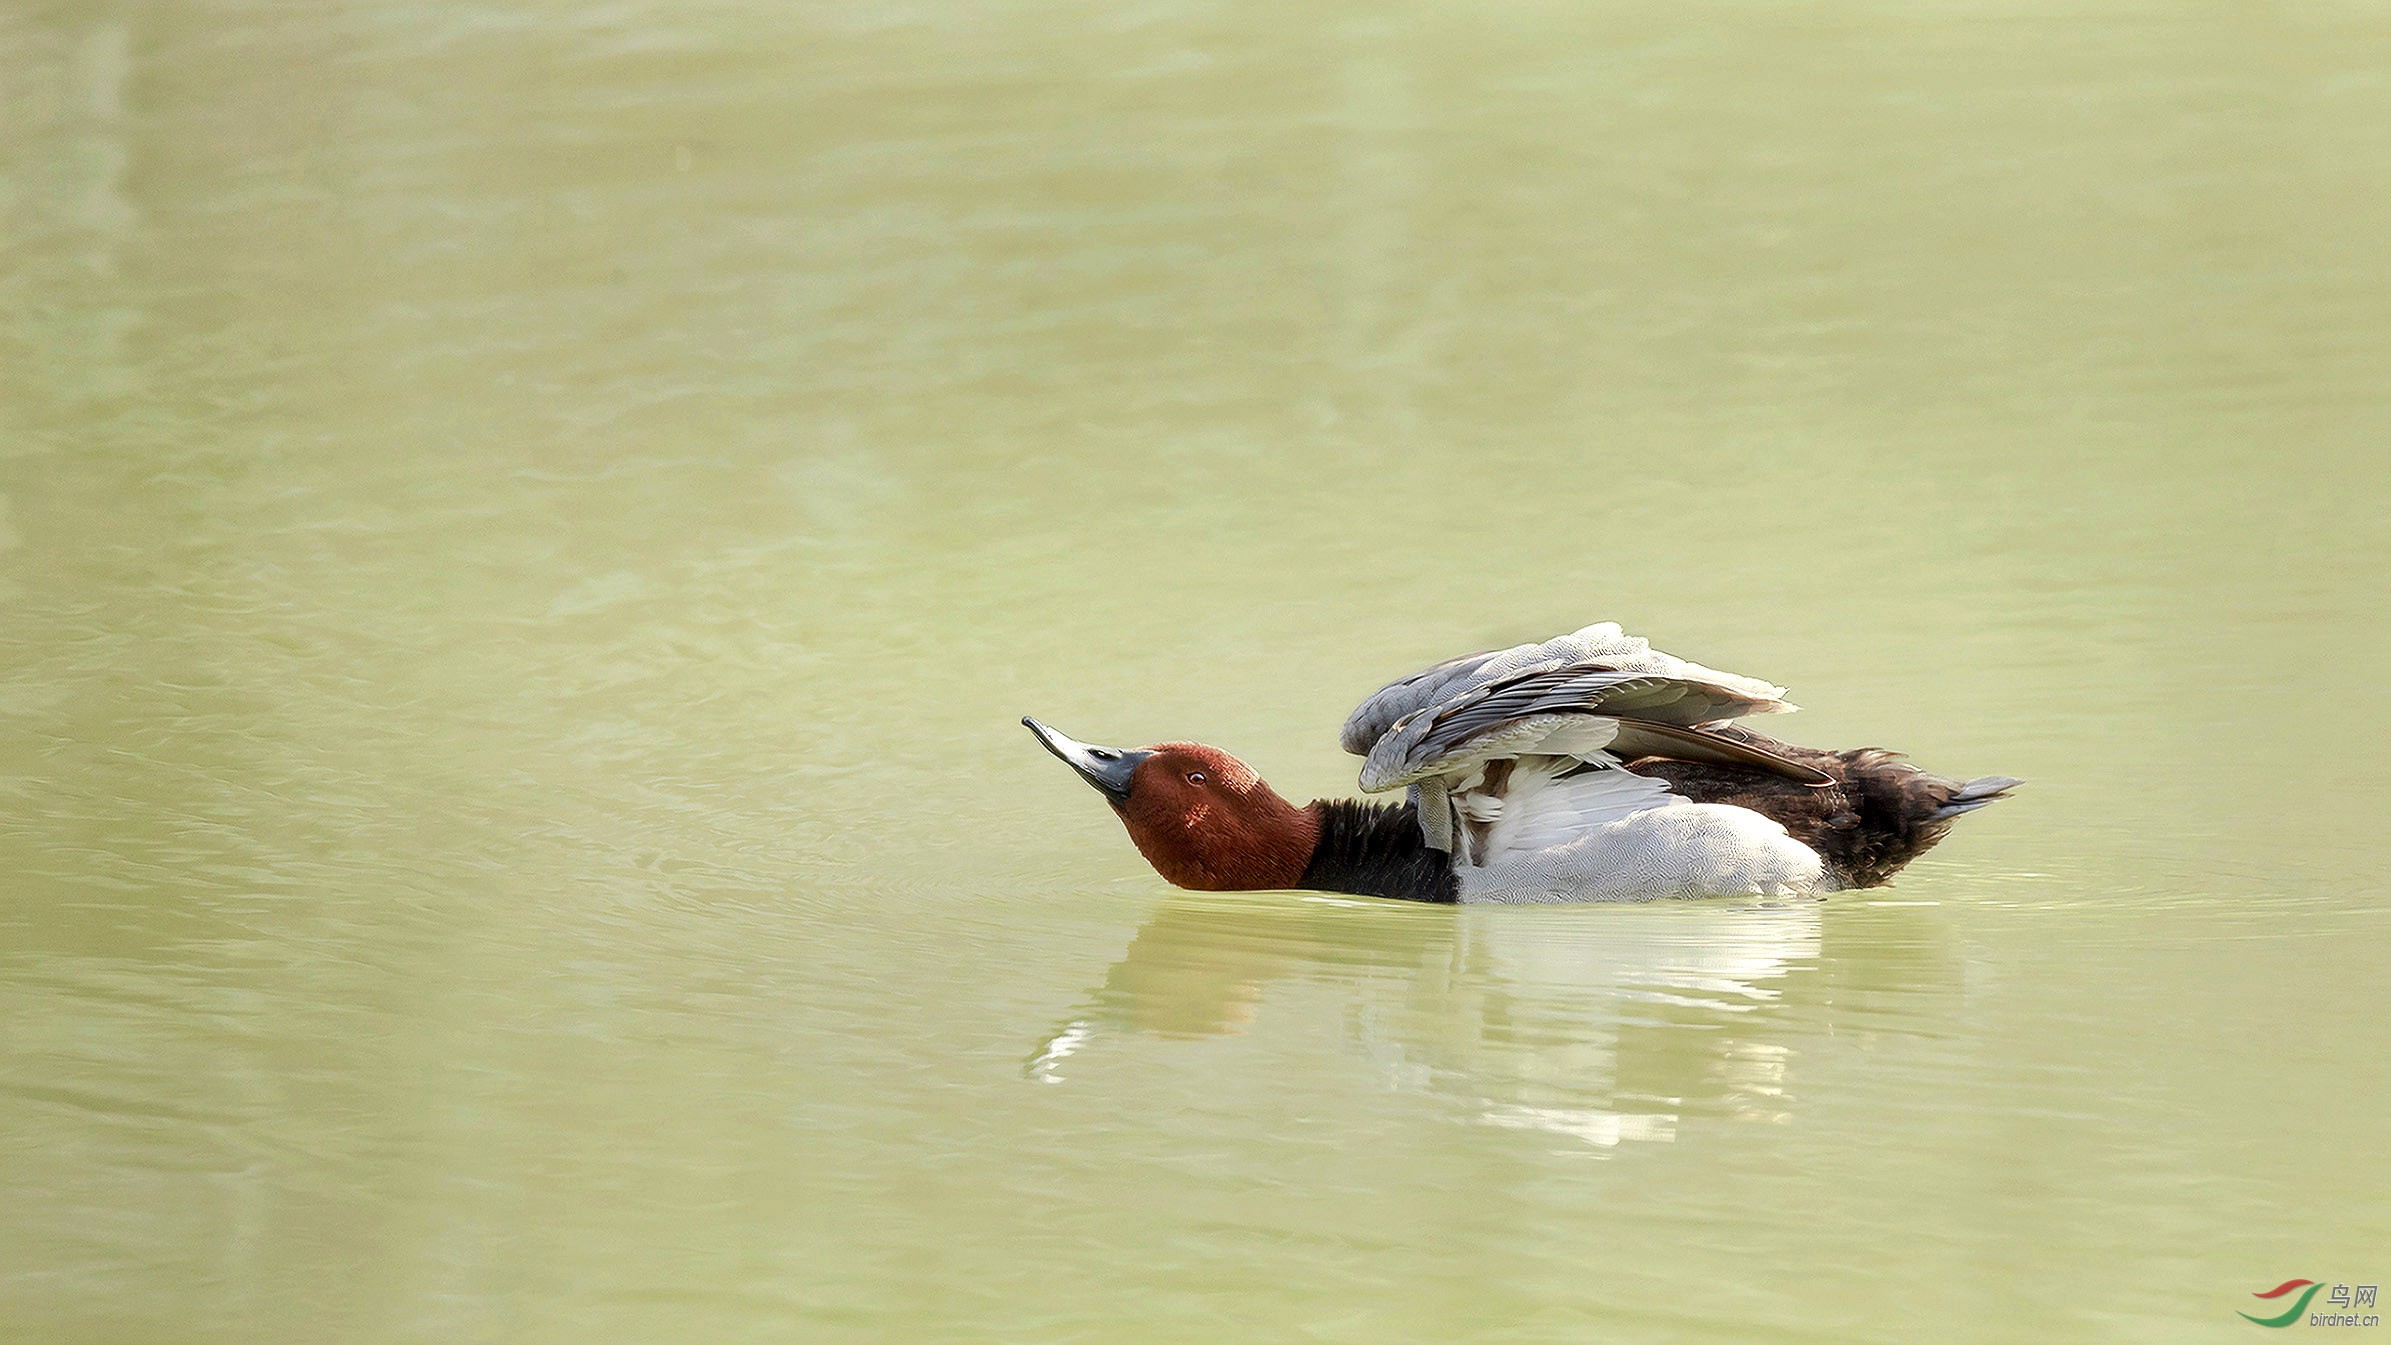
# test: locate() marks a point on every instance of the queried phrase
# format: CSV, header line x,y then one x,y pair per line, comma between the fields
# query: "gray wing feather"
x,y
1602,646
1373,717
1450,717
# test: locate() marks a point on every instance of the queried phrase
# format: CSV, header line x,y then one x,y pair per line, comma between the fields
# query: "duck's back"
x,y
1593,767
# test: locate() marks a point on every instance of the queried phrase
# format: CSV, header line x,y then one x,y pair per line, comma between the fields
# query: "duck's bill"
x,y
1107,768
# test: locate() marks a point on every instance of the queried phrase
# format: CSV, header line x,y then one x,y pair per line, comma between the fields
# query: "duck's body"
x,y
1587,768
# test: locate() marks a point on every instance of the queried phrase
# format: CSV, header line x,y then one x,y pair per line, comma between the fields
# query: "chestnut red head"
x,y
1201,817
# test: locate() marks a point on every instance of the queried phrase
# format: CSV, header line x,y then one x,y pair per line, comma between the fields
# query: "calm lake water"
x,y
526,531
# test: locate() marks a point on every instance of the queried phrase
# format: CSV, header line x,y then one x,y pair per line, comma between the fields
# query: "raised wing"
x,y
1575,711
1596,695
1601,647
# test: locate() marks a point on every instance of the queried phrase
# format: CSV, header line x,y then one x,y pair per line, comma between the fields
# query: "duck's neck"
x,y
1376,850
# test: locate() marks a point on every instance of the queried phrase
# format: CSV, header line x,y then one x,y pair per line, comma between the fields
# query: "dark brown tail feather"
x,y
1880,813
1975,794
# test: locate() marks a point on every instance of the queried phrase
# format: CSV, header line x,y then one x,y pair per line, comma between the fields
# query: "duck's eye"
x,y
1195,777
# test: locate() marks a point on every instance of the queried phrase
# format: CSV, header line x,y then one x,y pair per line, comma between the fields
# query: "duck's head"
x,y
1201,817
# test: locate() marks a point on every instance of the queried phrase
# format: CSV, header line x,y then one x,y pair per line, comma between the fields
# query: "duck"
x,y
1590,767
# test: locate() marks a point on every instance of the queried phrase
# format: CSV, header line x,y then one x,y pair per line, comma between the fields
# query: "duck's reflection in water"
x,y
1602,1023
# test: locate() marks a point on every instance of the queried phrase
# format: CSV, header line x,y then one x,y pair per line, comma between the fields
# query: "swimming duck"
x,y
1591,767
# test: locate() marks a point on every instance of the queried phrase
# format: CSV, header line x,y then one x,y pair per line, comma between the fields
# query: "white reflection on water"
x,y
1604,1025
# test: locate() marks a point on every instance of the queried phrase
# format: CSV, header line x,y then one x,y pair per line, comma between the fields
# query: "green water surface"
x,y
526,530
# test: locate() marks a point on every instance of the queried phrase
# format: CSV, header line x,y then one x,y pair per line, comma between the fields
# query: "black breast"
x,y
1376,850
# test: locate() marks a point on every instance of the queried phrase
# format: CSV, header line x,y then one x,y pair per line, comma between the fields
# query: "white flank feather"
x,y
1539,810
